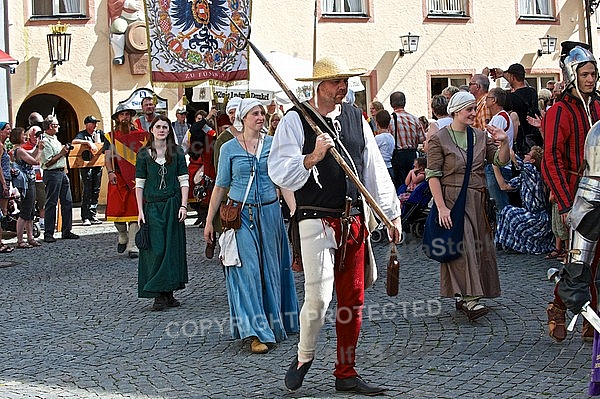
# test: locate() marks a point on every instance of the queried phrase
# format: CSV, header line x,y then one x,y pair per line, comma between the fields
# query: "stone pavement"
x,y
73,327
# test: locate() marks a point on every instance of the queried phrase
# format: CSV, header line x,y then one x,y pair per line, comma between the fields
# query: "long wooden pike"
x,y
309,118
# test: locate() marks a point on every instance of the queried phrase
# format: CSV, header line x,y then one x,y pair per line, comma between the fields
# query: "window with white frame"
x,y
536,9
447,8
57,8
345,7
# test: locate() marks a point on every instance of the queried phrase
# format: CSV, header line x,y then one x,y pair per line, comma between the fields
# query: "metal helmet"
x,y
122,108
576,56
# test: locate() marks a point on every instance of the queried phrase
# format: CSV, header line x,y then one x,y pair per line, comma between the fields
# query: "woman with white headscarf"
x,y
262,297
474,275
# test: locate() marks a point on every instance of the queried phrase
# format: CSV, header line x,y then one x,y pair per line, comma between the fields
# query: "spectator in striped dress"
x,y
527,229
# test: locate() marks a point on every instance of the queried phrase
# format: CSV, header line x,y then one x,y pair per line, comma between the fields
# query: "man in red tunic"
x,y
566,125
201,169
120,156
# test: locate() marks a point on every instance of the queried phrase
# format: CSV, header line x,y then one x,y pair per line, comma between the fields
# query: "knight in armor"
x,y
572,173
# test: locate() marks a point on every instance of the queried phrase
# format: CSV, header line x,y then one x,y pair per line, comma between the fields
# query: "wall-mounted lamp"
x,y
408,44
547,44
59,45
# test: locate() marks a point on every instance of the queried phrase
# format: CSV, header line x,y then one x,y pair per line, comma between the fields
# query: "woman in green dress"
x,y
161,189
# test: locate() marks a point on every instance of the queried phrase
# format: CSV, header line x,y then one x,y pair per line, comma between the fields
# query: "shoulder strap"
x,y
470,145
258,151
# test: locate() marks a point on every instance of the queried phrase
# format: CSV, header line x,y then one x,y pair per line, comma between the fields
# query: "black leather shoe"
x,y
121,248
171,301
358,385
69,236
49,238
160,303
295,376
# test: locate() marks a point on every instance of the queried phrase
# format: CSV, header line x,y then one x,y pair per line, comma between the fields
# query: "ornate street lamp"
x,y
547,44
59,45
409,44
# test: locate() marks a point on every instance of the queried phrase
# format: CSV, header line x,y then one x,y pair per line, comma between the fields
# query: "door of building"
x,y
48,104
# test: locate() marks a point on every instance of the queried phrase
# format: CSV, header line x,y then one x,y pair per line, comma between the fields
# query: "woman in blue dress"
x,y
527,229
263,305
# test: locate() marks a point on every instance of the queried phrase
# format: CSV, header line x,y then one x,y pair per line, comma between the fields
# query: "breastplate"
x,y
592,151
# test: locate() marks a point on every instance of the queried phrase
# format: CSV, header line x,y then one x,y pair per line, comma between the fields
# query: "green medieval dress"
x,y
162,267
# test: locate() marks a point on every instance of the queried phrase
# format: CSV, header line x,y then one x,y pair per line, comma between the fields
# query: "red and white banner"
x,y
194,40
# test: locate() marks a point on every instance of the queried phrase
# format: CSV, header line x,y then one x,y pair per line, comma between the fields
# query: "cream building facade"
x,y
456,39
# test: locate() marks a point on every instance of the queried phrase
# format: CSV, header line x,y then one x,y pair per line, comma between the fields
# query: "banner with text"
x,y
194,40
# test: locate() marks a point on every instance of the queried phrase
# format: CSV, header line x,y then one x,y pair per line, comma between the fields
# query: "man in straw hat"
x,y
335,245
120,155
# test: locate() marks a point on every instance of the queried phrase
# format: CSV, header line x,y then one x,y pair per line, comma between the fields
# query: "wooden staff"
x,y
309,118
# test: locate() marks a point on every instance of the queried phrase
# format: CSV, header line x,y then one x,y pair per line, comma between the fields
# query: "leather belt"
x,y
582,175
317,212
264,203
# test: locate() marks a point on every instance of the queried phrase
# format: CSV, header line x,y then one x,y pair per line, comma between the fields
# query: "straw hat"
x,y
330,68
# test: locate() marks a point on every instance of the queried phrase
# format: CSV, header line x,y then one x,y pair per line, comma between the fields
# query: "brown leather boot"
x,y
556,322
258,347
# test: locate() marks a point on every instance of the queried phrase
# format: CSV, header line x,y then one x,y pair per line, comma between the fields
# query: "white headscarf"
x,y
233,103
460,101
246,105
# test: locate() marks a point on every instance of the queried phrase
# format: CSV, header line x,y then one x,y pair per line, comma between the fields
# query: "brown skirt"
x,y
475,273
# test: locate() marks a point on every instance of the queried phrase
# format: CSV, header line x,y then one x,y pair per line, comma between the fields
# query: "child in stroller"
x,y
414,213
9,221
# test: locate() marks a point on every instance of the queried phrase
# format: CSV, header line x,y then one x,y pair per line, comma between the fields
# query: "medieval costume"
x,y
121,207
163,266
324,227
475,273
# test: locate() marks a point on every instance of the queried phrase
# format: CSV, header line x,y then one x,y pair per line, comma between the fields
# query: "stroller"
x,y
414,213
416,209
9,221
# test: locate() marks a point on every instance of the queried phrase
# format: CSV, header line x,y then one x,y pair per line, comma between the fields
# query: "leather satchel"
x,y
393,273
231,211
142,237
231,214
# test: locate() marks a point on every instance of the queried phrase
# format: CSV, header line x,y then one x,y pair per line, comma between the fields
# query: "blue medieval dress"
x,y
261,292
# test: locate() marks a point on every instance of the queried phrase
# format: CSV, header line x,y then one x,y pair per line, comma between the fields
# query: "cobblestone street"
x,y
73,327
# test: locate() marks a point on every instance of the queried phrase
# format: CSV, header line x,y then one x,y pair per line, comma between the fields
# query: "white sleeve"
x,y
184,180
286,161
376,178
139,182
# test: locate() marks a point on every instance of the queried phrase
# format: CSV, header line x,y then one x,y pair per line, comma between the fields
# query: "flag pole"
x,y
309,118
